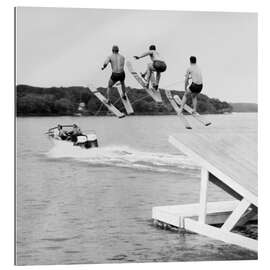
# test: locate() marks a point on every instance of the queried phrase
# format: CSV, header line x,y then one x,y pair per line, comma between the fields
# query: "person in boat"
x,y
76,131
157,65
117,62
62,133
194,73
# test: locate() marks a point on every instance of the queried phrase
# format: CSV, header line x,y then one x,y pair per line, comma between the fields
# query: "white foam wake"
x,y
123,156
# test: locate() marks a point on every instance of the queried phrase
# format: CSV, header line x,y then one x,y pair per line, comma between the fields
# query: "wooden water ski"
x,y
126,102
177,110
111,108
188,109
155,94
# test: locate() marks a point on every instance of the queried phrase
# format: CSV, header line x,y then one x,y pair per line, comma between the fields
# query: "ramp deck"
x,y
229,156
229,160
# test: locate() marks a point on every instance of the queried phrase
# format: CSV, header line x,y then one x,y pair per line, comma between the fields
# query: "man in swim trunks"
x,y
117,62
158,65
193,73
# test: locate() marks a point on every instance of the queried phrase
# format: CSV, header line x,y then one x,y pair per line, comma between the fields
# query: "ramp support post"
x,y
236,215
203,195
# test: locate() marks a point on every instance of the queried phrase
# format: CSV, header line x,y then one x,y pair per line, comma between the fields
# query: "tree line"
x,y
53,101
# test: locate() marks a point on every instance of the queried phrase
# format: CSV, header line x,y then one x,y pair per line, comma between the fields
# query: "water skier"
x,y
194,73
117,62
158,65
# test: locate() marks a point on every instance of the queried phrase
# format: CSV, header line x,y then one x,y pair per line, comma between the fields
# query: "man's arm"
x,y
107,61
143,55
187,79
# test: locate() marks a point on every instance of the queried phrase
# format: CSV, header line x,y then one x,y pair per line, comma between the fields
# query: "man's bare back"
x,y
117,62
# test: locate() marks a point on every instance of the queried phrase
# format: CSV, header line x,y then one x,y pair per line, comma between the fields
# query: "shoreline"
x,y
139,114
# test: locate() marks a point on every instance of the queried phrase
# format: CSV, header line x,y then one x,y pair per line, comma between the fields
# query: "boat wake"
x,y
125,157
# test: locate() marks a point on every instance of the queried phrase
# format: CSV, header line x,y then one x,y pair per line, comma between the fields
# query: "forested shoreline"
x,y
56,101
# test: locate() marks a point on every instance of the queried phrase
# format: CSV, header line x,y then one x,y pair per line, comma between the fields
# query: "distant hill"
x,y
244,107
38,101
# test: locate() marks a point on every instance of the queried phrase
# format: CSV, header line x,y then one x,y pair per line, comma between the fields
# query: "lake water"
x,y
94,206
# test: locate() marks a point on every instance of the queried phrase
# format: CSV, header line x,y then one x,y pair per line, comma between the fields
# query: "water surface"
x,y
94,206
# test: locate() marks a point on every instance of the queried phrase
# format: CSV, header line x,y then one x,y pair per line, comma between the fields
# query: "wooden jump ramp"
x,y
229,160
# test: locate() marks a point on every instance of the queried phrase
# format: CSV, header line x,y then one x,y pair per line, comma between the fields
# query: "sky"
x,y
67,47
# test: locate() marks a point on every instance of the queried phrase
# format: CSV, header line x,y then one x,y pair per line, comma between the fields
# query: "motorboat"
x,y
65,134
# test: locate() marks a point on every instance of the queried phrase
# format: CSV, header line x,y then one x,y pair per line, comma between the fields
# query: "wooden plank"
x,y
236,215
217,233
250,214
155,94
237,157
219,153
212,151
126,102
203,195
213,179
193,209
161,214
217,212
111,108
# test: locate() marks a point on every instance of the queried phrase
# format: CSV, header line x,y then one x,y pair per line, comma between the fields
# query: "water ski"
x,y
177,110
196,115
126,102
155,94
110,107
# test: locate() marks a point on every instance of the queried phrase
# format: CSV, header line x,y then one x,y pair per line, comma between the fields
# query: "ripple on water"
x,y
119,257
71,251
59,239
53,248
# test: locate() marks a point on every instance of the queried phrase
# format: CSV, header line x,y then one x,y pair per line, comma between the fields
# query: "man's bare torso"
x,y
117,62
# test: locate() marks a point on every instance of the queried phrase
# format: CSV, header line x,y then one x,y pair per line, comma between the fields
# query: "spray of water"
x,y
123,156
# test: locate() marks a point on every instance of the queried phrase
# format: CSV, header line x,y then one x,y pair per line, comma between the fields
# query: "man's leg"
x,y
143,74
157,80
123,86
150,69
110,85
184,100
194,102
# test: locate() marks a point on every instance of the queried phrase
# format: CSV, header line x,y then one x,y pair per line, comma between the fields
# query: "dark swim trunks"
x,y
160,66
118,77
195,88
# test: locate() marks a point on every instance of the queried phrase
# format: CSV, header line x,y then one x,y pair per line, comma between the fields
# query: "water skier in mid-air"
x,y
194,73
117,62
158,65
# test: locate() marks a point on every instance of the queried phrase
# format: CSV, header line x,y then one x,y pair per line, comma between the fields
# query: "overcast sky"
x,y
67,47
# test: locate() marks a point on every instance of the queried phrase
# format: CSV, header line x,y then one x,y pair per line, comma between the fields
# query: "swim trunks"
x,y
118,77
159,65
195,88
